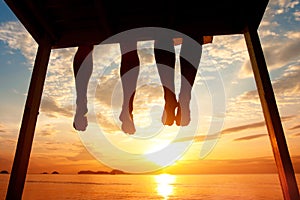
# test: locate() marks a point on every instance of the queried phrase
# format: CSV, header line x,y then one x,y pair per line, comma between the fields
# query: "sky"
x,y
227,133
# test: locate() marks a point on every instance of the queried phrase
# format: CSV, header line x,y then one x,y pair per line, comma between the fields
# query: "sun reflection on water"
x,y
165,186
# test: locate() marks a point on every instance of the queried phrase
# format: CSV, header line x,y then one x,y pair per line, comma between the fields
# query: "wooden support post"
x,y
272,118
31,111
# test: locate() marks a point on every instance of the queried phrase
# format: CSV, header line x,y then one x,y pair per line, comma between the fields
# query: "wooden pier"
x,y
70,23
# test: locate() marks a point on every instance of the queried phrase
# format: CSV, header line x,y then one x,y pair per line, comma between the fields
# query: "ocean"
x,y
137,187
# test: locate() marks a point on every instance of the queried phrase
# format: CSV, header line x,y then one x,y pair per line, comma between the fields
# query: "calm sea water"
x,y
134,187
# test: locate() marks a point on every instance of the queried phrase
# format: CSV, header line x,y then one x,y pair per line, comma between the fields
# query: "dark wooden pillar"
x,y
31,111
271,114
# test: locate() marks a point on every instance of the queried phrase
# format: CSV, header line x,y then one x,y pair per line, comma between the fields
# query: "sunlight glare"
x,y
165,184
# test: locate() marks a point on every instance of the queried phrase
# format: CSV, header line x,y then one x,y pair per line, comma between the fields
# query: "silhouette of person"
x,y
83,61
130,63
165,57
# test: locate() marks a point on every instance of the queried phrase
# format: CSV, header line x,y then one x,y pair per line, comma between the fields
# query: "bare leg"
x,y
83,67
188,70
129,74
165,60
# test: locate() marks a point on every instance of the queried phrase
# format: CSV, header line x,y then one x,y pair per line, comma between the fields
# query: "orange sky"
x,y
237,139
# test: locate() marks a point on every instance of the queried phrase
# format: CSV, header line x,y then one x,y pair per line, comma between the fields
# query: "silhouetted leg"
x,y
129,74
188,70
165,61
83,68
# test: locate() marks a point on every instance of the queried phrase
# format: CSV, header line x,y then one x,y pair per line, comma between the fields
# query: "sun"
x,y
165,183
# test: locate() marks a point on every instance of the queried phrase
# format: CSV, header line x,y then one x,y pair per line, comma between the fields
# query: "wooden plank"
x,y
271,114
52,17
41,16
31,111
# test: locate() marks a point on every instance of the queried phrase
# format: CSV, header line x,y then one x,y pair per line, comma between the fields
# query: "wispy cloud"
x,y
16,37
297,134
52,108
198,138
47,130
223,52
277,55
107,123
286,88
295,127
231,130
83,155
250,137
2,130
251,126
243,127
246,165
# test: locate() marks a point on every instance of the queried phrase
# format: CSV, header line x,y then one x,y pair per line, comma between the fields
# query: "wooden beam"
x,y
31,111
39,13
271,114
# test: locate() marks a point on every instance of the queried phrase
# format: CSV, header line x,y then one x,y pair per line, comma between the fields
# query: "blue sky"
x,y
224,68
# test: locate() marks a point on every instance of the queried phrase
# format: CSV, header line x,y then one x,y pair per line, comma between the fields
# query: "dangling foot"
x,y
127,122
168,116
80,119
183,117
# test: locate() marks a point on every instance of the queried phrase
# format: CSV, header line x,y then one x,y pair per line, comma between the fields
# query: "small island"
x,y
55,172
112,172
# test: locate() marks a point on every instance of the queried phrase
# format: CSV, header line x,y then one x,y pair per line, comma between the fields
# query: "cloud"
x,y
146,52
285,5
276,55
47,130
250,137
198,138
254,165
251,126
53,109
293,35
107,124
201,138
59,82
83,155
107,87
243,127
286,89
106,57
223,52
297,16
295,127
279,36
297,134
2,129
16,37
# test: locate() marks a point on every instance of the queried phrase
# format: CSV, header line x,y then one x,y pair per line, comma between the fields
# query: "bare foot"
x,y
127,122
183,117
168,116
80,123
80,119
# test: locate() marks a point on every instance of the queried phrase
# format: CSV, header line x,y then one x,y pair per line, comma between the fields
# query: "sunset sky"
x,y
227,133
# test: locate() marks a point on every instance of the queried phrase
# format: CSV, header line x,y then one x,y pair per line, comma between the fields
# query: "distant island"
x,y
54,172
112,172
4,172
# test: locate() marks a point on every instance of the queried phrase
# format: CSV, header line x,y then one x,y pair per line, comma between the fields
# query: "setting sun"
x,y
165,184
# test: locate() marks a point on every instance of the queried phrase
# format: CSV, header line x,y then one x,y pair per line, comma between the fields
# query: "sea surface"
x,y
137,187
